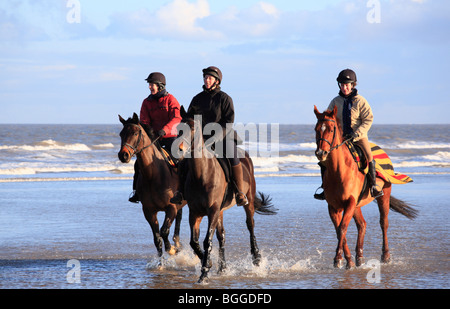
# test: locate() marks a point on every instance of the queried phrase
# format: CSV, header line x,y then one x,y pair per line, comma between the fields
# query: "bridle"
x,y
135,148
334,136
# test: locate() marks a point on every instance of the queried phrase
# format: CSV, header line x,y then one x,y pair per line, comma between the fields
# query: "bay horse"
x,y
208,194
343,183
156,184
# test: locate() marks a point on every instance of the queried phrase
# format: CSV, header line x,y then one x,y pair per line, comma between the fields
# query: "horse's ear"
x,y
122,120
334,111
183,113
135,118
316,111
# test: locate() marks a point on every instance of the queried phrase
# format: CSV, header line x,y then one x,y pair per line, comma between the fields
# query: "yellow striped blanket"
x,y
384,167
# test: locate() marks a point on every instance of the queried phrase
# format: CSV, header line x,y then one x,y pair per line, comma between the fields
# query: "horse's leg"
x,y
220,233
194,223
361,226
341,231
171,212
336,218
152,219
213,218
383,206
346,218
250,211
176,234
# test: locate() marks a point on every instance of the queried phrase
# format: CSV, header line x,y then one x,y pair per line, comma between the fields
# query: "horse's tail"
x,y
263,205
403,208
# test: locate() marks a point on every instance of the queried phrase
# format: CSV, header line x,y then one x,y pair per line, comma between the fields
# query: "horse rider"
x,y
356,118
215,106
160,111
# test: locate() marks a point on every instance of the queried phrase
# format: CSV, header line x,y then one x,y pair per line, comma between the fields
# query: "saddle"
x,y
226,167
383,164
168,157
359,157
363,166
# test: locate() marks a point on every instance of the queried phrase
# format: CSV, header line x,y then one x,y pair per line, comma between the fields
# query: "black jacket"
x,y
214,106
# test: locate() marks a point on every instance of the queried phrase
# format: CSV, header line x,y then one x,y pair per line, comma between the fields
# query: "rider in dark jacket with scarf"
x,y
215,106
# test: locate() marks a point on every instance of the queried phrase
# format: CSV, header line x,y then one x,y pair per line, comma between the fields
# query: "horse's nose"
x,y
124,157
321,154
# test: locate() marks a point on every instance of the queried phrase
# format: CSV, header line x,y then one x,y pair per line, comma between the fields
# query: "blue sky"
x,y
279,58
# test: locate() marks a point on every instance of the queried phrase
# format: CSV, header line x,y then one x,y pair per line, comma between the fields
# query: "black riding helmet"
x,y
156,78
213,71
346,76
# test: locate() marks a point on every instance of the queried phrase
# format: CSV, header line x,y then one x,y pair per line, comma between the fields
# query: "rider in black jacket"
x,y
215,106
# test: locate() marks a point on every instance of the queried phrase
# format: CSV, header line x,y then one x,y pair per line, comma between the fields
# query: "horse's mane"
x,y
329,113
132,121
148,129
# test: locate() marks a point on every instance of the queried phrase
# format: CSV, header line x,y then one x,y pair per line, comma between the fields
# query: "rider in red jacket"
x,y
161,112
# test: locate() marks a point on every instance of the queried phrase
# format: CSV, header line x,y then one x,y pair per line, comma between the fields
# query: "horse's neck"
x,y
341,161
201,162
150,161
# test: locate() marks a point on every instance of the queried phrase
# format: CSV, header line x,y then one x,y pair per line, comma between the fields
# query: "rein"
x,y
334,137
134,148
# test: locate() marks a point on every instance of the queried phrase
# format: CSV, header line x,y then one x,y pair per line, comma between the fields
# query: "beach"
x,y
68,228
92,222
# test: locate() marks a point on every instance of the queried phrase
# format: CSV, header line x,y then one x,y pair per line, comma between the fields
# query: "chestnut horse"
x,y
208,194
343,183
156,184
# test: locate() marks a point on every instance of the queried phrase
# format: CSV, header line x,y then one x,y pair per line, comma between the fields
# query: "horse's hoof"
x,y
359,261
338,263
385,258
203,278
221,270
257,260
350,265
172,251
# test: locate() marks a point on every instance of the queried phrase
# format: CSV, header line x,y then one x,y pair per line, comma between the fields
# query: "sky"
x,y
85,61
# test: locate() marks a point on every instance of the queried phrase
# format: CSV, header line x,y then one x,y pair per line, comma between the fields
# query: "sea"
x,y
66,222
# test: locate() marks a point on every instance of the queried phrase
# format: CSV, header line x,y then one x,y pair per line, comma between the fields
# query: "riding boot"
x,y
373,181
238,175
320,196
178,196
134,196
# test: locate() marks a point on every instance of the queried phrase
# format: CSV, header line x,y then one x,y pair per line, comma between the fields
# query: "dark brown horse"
x,y
157,182
343,183
208,194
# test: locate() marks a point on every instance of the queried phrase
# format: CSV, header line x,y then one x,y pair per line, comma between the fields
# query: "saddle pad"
x,y
384,167
168,157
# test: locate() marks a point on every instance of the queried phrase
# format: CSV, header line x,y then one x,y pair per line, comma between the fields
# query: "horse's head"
x,y
192,137
132,138
326,128
193,121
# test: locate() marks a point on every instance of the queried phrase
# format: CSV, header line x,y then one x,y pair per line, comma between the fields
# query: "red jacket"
x,y
161,113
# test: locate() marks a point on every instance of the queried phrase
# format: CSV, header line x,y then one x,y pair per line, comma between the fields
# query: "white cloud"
x,y
255,21
178,19
269,9
181,16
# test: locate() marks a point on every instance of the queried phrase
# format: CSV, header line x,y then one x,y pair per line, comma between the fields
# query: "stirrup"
x,y
319,196
177,198
375,192
241,201
134,197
